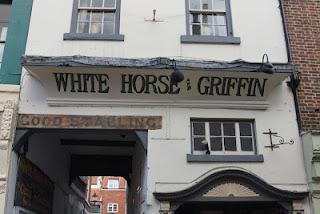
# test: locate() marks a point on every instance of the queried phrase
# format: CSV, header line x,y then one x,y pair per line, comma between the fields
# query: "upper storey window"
x,y
4,20
209,21
96,16
208,17
95,20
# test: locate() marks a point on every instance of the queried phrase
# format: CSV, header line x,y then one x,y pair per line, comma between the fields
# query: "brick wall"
x,y
303,21
106,195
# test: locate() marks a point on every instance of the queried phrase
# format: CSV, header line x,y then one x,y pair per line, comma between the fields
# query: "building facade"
x,y
303,20
14,23
178,97
108,193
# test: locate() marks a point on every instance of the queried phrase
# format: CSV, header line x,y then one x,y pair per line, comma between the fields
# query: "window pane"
x,y
194,4
219,5
221,30
216,143
219,20
195,18
206,4
196,29
109,17
206,30
1,51
230,144
84,15
228,129
198,145
215,129
199,128
207,19
97,3
3,33
96,16
84,3
108,28
83,27
110,3
246,144
245,129
96,27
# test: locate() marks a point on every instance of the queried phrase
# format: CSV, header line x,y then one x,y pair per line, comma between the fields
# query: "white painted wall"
x,y
46,152
256,22
167,148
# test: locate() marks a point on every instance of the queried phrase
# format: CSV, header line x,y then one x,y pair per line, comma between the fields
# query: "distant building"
x,y
107,194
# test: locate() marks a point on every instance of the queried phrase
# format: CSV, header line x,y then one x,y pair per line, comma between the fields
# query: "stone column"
x,y
8,112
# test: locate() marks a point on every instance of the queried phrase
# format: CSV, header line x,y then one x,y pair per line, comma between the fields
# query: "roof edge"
x,y
148,63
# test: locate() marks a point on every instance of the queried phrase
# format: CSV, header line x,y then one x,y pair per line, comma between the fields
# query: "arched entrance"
x,y
228,192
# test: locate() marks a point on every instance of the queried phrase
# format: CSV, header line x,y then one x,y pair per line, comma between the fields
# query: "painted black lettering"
x,y
260,86
151,81
84,80
174,90
92,82
139,84
203,89
126,82
75,81
215,83
242,84
103,83
61,80
164,80
231,84
250,91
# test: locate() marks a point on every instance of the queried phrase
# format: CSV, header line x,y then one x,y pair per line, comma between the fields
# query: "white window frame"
x,y
113,183
237,136
102,9
226,13
3,35
114,208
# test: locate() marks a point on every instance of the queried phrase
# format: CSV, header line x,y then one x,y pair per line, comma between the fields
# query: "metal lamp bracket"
x,y
280,140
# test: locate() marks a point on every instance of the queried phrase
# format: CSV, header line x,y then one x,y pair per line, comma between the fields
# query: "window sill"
x,y
88,36
210,39
225,158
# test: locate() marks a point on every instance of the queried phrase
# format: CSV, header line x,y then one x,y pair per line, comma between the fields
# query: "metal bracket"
x,y
280,140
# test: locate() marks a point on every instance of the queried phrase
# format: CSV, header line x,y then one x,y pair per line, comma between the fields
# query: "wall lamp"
x,y
266,66
177,75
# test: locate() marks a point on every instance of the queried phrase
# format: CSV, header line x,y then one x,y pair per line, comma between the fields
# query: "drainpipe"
x,y
294,78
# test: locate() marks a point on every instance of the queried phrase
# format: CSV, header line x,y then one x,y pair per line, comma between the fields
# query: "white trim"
x,y
113,183
256,105
113,210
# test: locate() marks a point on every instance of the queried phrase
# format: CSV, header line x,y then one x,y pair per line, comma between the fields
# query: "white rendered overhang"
x,y
100,81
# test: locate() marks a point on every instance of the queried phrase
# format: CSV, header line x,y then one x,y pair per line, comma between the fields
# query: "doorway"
x,y
68,158
227,208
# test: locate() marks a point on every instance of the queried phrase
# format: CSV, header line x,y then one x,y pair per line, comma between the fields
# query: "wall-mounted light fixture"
x,y
266,66
177,75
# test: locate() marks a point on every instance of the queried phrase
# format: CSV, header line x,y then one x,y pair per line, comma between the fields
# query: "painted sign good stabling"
x,y
145,85
34,189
